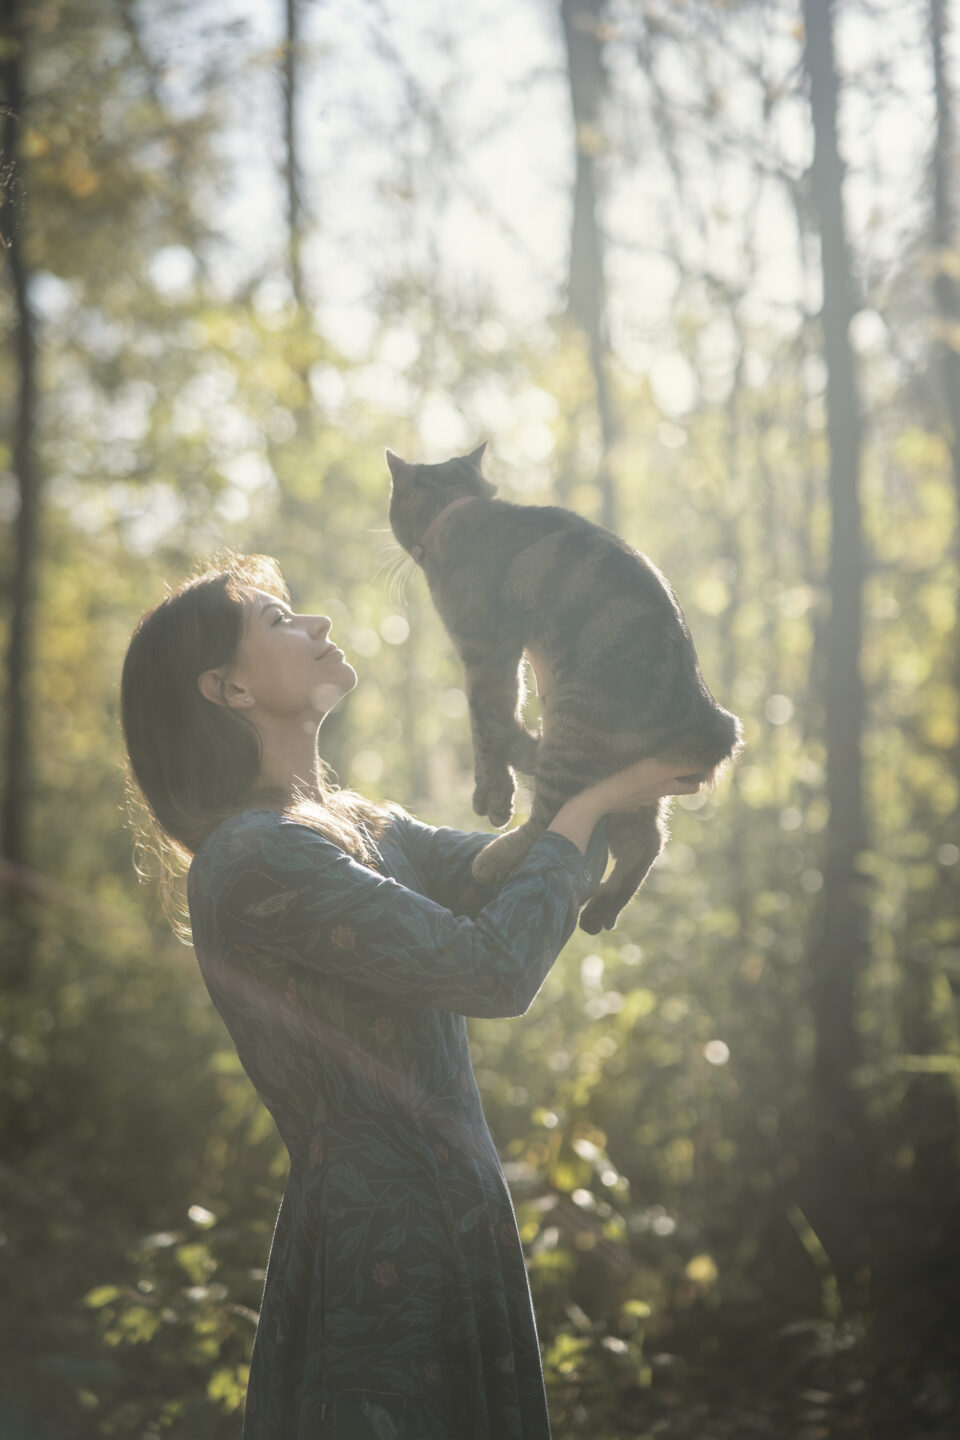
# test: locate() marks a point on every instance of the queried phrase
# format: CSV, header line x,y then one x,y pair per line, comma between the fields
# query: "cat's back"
x,y
548,571
518,533
564,560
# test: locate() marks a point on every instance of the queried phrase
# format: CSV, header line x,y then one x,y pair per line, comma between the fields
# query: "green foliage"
x,y
653,1108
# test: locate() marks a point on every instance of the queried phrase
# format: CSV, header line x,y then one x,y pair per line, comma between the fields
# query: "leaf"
x,y
271,904
470,1219
102,1295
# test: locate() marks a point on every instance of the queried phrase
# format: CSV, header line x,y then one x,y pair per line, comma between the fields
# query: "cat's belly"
x,y
541,673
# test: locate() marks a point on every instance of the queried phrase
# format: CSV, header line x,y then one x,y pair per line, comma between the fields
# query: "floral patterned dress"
x,y
396,1303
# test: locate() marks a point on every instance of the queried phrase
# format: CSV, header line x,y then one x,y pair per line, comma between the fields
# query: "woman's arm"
x,y
444,858
269,884
273,885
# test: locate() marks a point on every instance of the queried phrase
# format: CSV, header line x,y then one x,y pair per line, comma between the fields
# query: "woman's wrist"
x,y
577,819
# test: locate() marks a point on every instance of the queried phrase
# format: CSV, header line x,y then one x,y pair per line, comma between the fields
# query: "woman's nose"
x,y
319,625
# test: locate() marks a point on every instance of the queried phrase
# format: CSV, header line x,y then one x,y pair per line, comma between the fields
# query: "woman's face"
x,y
287,666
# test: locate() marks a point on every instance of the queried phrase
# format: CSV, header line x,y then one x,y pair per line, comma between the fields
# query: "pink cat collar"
x,y
417,550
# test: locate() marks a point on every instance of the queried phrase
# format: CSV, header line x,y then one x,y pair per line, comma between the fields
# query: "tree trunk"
x,y
302,410
291,166
931,1105
586,289
839,948
945,289
293,459
17,760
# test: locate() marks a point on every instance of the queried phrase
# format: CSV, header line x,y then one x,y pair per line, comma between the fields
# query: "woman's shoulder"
x,y
266,834
257,821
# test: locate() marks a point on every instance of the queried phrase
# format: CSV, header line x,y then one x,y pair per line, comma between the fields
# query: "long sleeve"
x,y
445,857
282,888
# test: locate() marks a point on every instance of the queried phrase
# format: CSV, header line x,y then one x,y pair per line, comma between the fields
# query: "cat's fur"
x,y
616,669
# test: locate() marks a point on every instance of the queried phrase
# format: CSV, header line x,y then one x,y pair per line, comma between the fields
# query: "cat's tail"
x,y
710,743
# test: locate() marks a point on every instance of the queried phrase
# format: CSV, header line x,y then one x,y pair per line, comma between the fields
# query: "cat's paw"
x,y
600,913
494,797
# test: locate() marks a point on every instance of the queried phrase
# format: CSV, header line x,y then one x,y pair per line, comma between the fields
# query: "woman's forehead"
x,y
255,602
258,600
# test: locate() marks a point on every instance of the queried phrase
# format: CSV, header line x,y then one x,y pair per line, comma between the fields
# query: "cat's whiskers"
x,y
400,579
398,566
392,558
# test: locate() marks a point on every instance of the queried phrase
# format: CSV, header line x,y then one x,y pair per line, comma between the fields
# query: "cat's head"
x,y
419,492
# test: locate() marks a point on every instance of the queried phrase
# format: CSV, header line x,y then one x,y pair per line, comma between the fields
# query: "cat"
x,y
615,666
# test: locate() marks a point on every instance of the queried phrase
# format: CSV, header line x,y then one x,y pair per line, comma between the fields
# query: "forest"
x,y
692,269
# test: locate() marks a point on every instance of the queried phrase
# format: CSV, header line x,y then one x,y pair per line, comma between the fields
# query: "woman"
x,y
343,943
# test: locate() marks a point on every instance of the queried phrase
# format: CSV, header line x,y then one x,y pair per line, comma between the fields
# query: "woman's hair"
x,y
196,762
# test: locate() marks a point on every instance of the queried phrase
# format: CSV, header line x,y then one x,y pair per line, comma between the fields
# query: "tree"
x,y
945,287
292,163
17,757
586,288
840,946
931,1102
12,237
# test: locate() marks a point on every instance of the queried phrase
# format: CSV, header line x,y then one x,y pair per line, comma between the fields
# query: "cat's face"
x,y
419,492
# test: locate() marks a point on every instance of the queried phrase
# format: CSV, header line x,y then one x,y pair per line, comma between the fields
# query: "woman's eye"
x,y
281,617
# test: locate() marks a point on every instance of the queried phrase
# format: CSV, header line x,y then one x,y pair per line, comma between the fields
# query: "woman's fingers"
x,y
648,781
680,788
659,775
643,783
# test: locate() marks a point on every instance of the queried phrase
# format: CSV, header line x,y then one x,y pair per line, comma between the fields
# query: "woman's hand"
x,y
640,784
643,783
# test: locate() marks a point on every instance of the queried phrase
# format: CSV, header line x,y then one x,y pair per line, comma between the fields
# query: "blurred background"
x,y
691,268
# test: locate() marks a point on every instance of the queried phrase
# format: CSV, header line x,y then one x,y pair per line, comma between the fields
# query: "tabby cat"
x,y
616,670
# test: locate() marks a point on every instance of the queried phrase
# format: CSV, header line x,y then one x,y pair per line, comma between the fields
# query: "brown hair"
x,y
196,762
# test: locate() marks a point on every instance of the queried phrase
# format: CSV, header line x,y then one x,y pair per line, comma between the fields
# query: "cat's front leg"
x,y
492,692
559,777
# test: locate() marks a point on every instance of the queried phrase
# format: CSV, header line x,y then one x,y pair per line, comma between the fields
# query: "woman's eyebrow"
x,y
274,605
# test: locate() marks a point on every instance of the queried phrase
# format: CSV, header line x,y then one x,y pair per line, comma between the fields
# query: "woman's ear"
x,y
211,686
214,686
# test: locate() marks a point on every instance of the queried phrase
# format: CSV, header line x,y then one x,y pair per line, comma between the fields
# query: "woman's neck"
x,y
288,761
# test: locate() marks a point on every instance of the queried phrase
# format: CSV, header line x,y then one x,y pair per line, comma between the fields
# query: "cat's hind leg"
x,y
635,840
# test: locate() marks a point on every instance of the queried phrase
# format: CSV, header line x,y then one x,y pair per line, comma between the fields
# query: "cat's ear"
x,y
476,456
397,466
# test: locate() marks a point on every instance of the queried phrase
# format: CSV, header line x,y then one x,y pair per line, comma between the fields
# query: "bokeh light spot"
x,y
778,709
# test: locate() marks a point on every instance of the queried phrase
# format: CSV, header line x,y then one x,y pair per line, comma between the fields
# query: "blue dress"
x,y
396,1304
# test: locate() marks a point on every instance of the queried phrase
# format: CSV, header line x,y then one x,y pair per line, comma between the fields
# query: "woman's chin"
x,y
330,692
